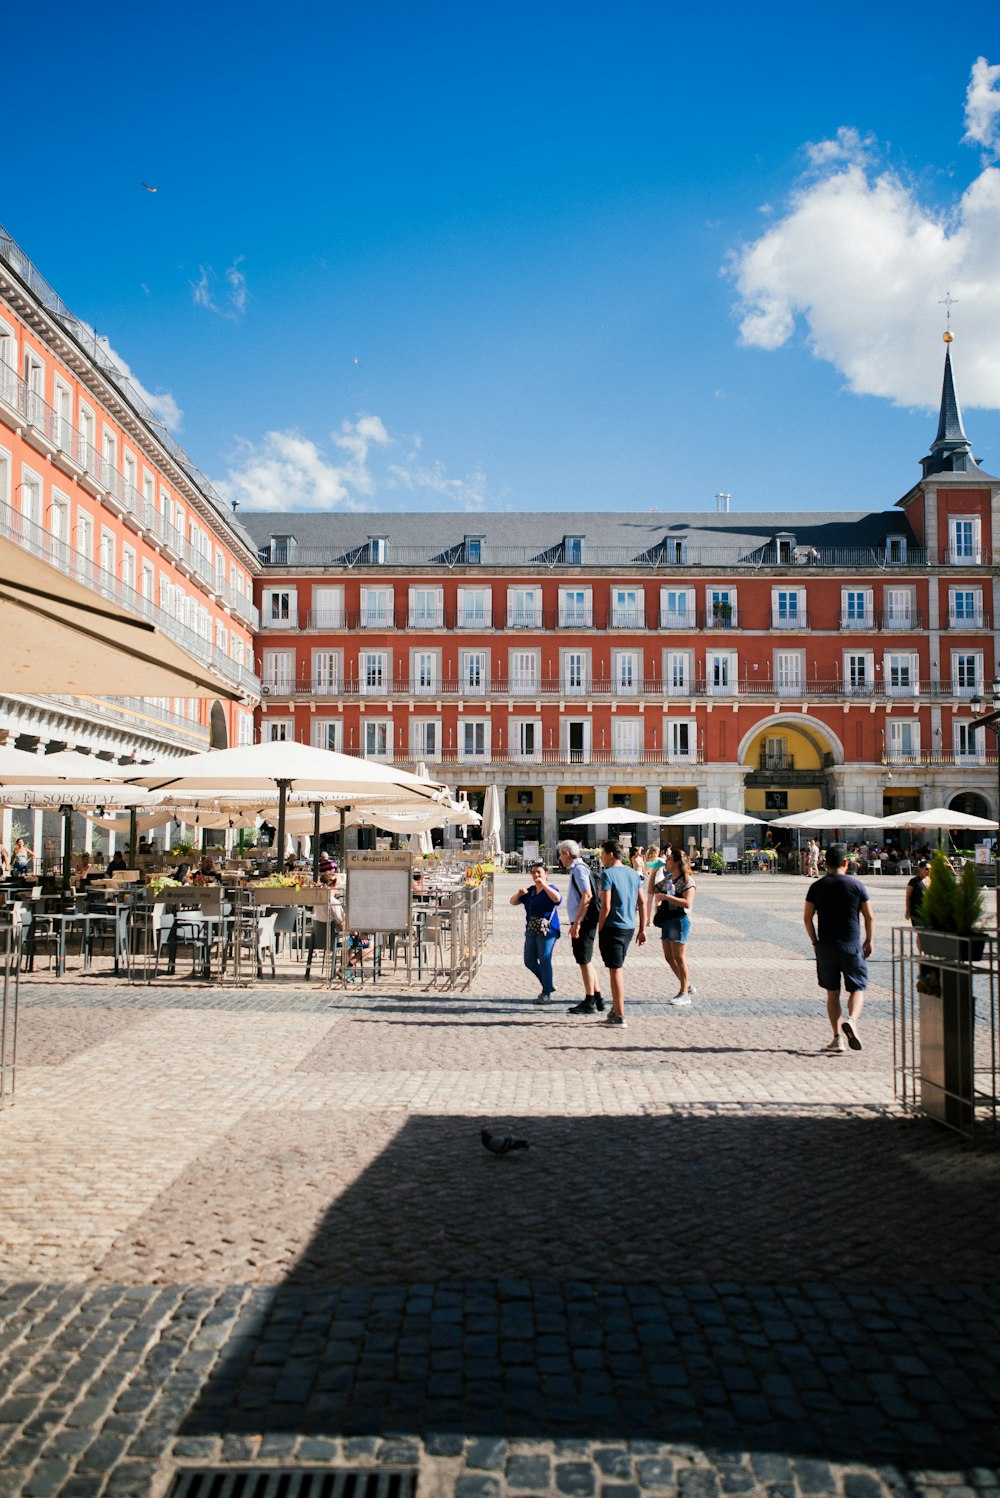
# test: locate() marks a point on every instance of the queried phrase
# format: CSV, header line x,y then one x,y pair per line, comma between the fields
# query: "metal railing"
x,y
140,714
98,473
40,543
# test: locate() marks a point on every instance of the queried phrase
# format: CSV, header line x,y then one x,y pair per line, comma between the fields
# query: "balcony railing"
x,y
976,620
858,621
48,429
625,619
40,543
789,619
900,619
138,713
658,557
611,688
776,762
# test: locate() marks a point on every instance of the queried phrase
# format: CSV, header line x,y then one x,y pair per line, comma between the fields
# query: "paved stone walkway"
x,y
258,1227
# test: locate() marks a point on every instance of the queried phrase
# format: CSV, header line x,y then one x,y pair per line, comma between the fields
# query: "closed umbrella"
x,y
492,824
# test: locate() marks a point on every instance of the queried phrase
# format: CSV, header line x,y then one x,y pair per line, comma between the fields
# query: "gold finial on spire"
x,y
947,302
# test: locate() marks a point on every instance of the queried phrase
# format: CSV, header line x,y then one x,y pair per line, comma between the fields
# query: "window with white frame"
x,y
903,740
62,401
576,609
221,637
426,609
85,537
8,359
148,498
281,608
966,672
895,550
899,608
576,736
425,671
278,671
575,672
628,608
475,608
474,738
965,608
774,755
109,452
30,496
327,608
6,469
328,733
720,608
277,730
327,672
627,740
524,608
425,738
968,745
901,673
475,673
148,581
524,671
678,672
720,673
376,608
526,738
627,667
573,550
376,738
59,525
859,672
244,727
373,672
677,608
378,550
679,738
856,608
87,435
789,671
964,539
130,473
788,608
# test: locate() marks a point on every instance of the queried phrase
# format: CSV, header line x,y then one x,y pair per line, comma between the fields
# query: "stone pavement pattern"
x,y
259,1227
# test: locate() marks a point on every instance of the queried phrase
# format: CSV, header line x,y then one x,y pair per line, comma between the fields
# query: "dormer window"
x,y
282,550
895,549
473,550
378,550
784,548
573,550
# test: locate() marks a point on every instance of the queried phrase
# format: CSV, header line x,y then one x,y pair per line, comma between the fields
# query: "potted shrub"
x,y
952,908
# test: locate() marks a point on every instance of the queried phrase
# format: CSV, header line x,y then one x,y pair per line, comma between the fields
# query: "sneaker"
x,y
836,1046
543,998
849,1027
680,1000
586,1006
598,1003
614,1019
691,988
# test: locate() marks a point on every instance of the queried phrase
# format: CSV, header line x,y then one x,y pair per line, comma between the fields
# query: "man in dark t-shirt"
x,y
840,903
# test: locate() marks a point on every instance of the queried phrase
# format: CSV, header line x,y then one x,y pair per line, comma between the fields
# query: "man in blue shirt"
x,y
841,902
622,895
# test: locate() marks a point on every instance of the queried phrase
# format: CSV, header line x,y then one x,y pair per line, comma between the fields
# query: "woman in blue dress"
x,y
541,922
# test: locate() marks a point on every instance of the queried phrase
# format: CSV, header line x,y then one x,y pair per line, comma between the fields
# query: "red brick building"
x,y
769,662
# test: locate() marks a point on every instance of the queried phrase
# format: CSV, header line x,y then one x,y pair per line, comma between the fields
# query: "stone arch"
x,y
219,730
822,737
973,803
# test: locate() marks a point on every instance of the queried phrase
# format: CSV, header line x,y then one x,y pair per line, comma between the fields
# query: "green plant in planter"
x,y
183,847
717,863
949,904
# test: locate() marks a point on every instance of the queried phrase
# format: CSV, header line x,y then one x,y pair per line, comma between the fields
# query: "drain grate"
x,y
294,1482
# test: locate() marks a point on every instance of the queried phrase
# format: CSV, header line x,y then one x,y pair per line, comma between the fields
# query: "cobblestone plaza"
x,y
258,1227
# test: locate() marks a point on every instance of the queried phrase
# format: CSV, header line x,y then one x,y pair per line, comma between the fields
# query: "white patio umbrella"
x,y
828,819
940,817
492,823
20,768
287,766
709,816
67,798
613,816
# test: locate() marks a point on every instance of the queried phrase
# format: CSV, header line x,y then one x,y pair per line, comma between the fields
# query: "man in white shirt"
x,y
583,912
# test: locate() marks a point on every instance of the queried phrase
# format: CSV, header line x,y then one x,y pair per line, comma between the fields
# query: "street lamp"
x,y
991,720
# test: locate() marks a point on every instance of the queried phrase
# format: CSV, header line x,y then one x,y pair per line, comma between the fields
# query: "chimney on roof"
x,y
722,503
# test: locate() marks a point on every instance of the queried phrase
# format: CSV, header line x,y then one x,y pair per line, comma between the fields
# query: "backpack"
x,y
593,912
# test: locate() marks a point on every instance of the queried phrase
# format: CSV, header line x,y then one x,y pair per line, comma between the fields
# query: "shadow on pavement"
x,y
748,1282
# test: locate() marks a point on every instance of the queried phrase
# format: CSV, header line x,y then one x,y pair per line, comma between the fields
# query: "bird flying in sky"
x,y
150,189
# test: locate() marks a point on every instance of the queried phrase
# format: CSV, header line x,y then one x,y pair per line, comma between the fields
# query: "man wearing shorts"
x,y
840,901
580,907
622,895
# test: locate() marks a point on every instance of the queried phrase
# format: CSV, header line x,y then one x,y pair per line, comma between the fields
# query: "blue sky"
x,y
545,256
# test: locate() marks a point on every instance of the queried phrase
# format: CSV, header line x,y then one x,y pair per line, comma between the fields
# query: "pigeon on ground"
x,y
501,1146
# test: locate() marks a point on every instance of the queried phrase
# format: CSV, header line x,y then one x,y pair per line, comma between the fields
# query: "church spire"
x,y
951,450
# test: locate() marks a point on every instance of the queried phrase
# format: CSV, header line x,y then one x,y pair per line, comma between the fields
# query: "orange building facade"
x,y
770,663
92,482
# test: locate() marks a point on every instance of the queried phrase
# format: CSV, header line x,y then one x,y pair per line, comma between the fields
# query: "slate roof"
x,y
439,536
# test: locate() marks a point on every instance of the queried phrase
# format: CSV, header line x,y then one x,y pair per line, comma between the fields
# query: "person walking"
x,y
672,890
582,909
622,898
541,927
840,902
639,861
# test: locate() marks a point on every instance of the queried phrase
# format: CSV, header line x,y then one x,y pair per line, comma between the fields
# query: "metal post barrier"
x,y
10,960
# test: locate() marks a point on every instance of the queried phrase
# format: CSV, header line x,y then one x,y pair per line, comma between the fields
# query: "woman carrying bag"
x,y
674,891
539,899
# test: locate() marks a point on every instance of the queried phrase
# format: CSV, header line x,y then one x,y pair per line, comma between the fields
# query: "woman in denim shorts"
x,y
673,888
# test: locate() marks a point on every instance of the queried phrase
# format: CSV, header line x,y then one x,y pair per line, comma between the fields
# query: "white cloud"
x,y
287,471
161,403
982,107
862,264
204,291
